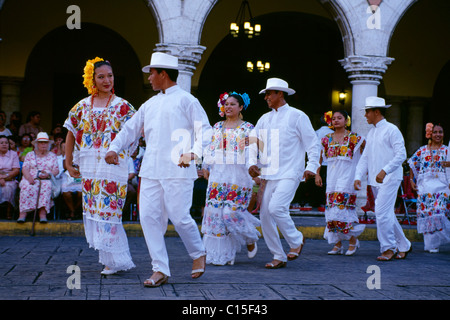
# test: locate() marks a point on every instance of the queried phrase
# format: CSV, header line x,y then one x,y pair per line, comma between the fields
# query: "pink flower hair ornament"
x,y
428,130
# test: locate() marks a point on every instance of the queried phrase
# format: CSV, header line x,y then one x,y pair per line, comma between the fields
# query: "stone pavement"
x,y
36,268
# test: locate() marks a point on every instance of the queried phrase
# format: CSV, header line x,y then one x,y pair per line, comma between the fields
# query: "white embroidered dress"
x,y
104,186
340,210
227,224
432,195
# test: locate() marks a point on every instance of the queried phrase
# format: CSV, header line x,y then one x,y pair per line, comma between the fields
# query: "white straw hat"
x,y
161,60
375,102
42,137
278,84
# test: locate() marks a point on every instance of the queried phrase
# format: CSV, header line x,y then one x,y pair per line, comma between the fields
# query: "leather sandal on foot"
x,y
197,273
273,265
292,255
150,283
385,257
402,254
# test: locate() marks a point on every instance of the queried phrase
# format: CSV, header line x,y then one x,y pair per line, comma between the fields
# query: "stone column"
x,y
188,58
365,74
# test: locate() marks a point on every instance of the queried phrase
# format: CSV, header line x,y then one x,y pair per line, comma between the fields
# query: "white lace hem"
x,y
222,248
111,241
335,237
343,215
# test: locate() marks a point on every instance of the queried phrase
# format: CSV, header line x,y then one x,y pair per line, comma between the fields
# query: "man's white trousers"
x,y
274,212
389,232
165,199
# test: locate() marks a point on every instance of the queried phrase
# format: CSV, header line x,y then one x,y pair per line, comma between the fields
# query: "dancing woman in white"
x,y
227,224
342,149
93,124
432,189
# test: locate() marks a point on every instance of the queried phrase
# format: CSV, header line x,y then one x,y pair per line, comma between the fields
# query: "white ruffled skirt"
x,y
226,231
342,224
111,241
435,229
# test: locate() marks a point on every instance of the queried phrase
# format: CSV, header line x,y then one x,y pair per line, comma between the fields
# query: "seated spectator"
x,y
32,126
13,144
70,188
3,130
25,146
36,186
9,170
15,121
58,139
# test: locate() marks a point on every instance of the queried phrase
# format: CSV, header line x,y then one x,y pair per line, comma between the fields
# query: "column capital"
x,y
188,55
368,69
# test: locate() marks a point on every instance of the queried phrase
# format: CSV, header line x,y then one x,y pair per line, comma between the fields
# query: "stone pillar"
x,y
188,58
10,100
365,74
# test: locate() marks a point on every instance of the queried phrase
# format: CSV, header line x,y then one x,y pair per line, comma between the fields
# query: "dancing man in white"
x,y
286,134
176,129
382,161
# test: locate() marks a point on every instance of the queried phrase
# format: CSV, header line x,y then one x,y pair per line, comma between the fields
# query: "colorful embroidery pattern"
x,y
428,161
229,139
333,149
85,138
342,200
221,195
103,200
339,227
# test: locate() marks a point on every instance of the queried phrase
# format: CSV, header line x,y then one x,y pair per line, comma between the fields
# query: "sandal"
x,y
272,265
384,257
292,255
405,253
150,283
197,273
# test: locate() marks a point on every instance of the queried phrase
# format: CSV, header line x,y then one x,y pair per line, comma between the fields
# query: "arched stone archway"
x,y
440,103
303,49
53,78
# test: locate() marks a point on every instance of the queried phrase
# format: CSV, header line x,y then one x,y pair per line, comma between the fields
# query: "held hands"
x,y
308,175
43,175
112,158
318,180
185,160
254,171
